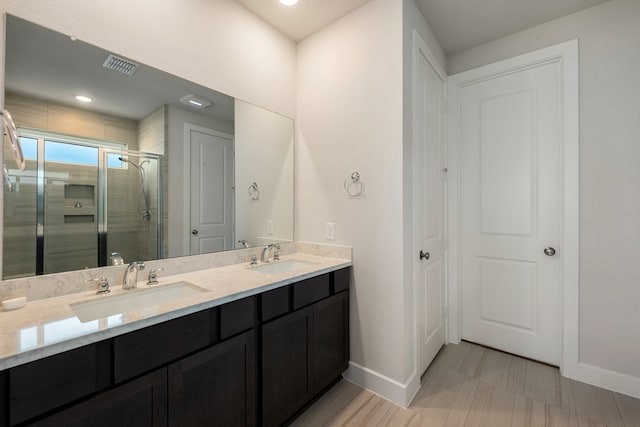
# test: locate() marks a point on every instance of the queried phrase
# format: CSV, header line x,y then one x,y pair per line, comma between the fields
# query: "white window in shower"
x,y
68,149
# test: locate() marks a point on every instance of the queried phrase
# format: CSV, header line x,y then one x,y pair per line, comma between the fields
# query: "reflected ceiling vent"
x,y
195,101
120,64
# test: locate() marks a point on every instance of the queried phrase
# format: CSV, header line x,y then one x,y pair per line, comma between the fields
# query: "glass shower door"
x,y
68,208
132,212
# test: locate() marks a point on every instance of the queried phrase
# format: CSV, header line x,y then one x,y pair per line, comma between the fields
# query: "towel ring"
x,y
353,185
14,141
254,193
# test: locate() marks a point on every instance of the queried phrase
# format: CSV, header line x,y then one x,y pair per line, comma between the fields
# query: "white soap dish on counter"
x,y
14,303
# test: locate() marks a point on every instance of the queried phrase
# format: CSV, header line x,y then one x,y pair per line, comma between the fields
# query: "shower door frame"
x,y
101,209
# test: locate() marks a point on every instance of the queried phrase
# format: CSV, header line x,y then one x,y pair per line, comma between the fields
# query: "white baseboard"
x,y
610,380
385,387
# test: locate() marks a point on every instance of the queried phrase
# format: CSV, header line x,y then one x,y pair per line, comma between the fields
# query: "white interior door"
x,y
211,190
510,153
429,216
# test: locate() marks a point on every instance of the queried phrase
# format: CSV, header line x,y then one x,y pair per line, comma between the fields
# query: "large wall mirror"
x,y
126,162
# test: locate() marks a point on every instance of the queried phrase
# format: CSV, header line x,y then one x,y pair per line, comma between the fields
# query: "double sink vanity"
x,y
234,345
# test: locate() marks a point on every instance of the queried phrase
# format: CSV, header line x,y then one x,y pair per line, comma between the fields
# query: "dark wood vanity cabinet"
x,y
46,384
275,351
305,350
140,403
4,398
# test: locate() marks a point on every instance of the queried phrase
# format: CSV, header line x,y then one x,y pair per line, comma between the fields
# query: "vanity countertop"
x,y
49,326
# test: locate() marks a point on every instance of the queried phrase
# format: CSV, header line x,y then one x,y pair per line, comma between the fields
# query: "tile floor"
x,y
469,385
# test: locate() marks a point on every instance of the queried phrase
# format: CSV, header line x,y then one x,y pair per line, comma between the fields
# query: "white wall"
x,y
264,155
609,37
350,119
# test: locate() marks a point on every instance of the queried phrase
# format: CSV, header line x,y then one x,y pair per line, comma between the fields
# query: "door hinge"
x,y
445,174
444,244
445,108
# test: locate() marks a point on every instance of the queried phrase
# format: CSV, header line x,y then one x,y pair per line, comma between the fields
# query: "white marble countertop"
x,y
49,326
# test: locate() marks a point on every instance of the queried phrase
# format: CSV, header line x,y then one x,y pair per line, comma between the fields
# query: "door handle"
x,y
424,255
549,251
194,232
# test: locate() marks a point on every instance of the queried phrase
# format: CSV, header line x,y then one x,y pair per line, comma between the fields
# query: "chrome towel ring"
x,y
353,185
254,193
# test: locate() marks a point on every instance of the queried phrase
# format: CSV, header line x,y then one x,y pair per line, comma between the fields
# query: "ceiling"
x,y
43,64
462,24
305,18
457,24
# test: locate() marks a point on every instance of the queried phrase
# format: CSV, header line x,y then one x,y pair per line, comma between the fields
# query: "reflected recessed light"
x,y
83,98
288,2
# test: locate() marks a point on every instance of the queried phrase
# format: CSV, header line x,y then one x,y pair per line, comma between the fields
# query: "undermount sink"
x,y
133,300
280,267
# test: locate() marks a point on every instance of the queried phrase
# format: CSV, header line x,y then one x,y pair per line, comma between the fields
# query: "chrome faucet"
x,y
131,275
267,250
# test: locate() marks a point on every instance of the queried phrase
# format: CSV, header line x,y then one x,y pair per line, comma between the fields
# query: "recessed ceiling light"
x,y
83,98
195,101
288,2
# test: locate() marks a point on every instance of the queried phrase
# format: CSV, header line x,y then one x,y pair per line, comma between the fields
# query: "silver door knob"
x,y
424,255
549,251
194,232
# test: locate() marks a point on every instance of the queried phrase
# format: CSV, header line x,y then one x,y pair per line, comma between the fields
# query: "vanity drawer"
x,y
341,280
144,350
49,383
275,302
237,316
311,290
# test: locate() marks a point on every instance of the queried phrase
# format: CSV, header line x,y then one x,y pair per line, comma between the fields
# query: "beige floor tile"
x,y
438,397
472,360
629,408
468,385
542,383
494,368
463,403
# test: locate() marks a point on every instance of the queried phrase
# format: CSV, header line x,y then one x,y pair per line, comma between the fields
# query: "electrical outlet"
x,y
270,227
331,231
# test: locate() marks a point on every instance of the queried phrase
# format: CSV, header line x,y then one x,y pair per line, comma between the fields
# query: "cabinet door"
x,y
215,386
287,349
331,339
139,403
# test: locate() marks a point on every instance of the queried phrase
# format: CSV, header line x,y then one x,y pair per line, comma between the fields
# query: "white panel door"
x,y
510,135
429,161
211,192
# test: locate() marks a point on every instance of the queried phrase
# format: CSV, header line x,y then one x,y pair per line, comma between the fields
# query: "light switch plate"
x,y
270,227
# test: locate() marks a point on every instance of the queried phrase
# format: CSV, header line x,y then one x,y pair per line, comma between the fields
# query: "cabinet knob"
x,y
194,232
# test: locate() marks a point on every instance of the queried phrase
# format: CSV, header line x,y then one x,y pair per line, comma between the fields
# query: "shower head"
x,y
123,159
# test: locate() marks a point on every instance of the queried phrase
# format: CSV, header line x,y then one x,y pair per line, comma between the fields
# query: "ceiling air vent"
x,y
120,64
